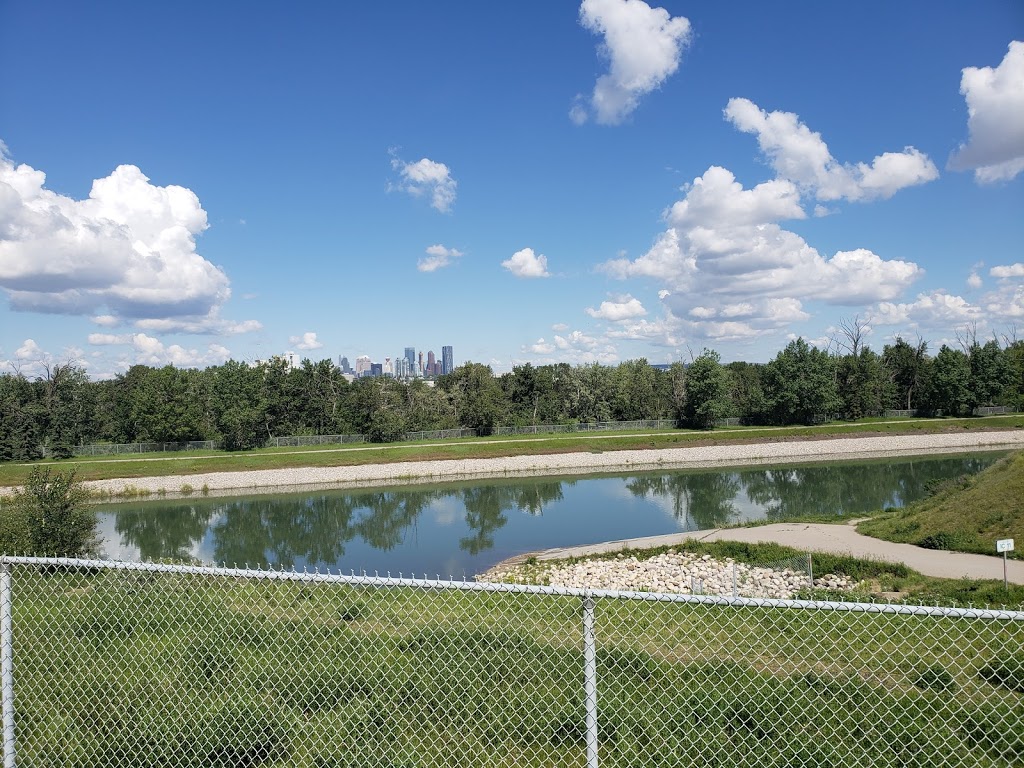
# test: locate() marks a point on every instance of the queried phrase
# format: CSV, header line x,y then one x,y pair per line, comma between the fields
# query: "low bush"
x,y
935,678
1005,671
49,516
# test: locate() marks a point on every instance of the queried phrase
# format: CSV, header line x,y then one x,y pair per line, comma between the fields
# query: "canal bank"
x,y
596,462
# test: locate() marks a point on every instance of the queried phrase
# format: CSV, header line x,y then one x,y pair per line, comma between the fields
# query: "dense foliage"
x,y
244,405
49,516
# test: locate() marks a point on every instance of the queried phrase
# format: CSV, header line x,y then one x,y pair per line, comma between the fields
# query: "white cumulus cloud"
x,y
147,350
129,248
426,177
616,311
729,270
933,310
526,263
643,46
306,341
800,155
541,347
995,119
1008,271
576,348
437,256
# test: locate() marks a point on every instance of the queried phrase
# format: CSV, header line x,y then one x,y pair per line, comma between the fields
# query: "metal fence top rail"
x,y
474,586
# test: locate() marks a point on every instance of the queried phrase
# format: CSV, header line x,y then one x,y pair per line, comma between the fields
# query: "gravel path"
x,y
836,449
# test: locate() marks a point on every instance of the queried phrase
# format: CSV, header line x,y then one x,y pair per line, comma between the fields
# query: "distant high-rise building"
x,y
420,369
343,364
431,364
362,366
388,370
410,355
376,369
447,360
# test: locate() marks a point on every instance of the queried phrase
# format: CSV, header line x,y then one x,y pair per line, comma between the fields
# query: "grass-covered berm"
x,y
965,514
128,668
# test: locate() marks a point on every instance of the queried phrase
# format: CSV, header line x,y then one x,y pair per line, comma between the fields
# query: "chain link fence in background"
x,y
122,664
114,449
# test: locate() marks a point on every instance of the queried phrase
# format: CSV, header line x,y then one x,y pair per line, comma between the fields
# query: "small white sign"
x,y
1004,545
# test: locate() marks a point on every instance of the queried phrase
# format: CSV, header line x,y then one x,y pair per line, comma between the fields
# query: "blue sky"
x,y
534,181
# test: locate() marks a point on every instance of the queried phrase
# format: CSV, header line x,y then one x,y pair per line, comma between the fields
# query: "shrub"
x,y
935,678
941,540
1006,671
49,516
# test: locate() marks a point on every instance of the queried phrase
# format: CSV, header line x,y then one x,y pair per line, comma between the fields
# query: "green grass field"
x,y
964,515
197,462
129,669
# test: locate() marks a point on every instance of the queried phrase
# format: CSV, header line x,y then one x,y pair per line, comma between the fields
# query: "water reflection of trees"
x,y
171,532
838,489
698,500
316,529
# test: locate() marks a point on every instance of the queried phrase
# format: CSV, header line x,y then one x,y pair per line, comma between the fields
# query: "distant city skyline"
x,y
411,364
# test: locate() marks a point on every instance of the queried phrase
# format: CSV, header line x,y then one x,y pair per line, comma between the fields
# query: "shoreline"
x,y
449,470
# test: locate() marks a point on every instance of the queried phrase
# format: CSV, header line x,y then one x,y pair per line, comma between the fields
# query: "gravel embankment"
x,y
673,572
836,449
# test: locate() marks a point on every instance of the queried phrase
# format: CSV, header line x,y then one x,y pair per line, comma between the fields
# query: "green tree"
x,y
635,391
49,516
747,391
948,383
990,376
907,365
1014,394
478,400
584,392
237,405
864,384
66,399
800,385
707,391
166,406
21,428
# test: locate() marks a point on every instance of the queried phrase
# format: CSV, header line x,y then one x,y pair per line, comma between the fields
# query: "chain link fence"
x,y
136,664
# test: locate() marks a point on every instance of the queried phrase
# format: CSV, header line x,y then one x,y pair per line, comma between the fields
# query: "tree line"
x,y
243,405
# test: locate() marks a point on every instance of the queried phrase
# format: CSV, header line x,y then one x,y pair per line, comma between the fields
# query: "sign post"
x,y
1004,546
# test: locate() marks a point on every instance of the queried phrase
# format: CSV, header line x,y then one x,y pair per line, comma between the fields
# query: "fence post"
x,y
810,570
7,663
590,679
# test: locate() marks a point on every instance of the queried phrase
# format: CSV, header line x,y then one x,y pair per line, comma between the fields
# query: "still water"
x,y
460,529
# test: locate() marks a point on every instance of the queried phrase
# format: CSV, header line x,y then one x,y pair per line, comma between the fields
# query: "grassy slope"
x,y
156,670
968,515
159,465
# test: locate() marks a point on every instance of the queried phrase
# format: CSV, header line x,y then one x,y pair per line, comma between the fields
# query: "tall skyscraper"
x,y
420,369
431,364
362,366
343,364
447,360
410,355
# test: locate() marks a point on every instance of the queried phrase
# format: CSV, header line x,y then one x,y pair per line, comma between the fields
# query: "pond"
x,y
460,529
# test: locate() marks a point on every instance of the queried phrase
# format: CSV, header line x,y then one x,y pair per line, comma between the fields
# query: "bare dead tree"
x,y
967,337
851,334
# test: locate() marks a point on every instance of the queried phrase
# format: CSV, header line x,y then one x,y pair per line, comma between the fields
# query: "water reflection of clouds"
x,y
446,511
